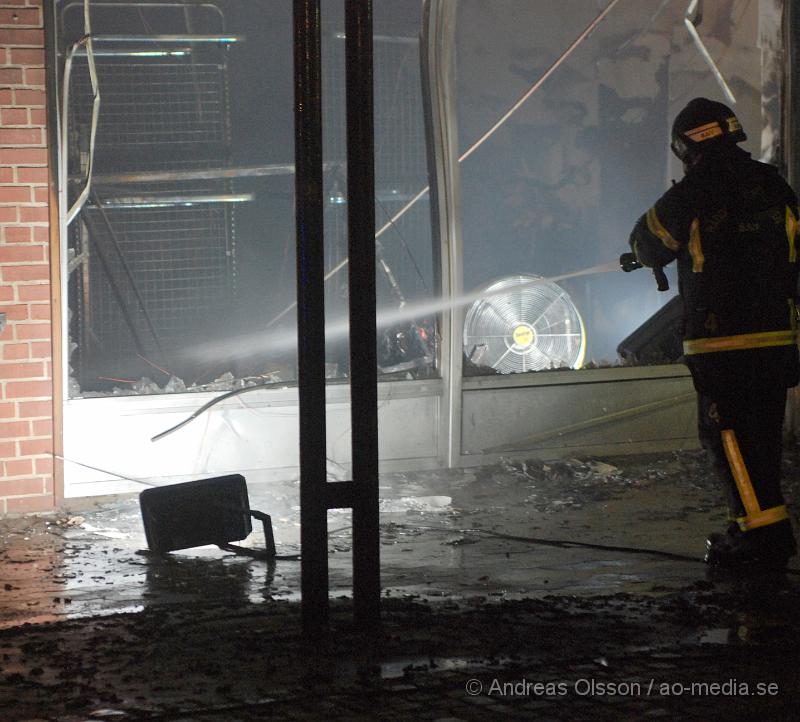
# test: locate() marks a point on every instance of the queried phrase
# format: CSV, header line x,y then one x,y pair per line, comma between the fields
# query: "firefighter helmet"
x,y
704,125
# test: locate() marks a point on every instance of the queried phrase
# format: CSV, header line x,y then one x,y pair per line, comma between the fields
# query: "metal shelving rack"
x,y
152,251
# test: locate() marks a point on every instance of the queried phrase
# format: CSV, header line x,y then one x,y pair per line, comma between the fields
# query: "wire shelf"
x,y
169,114
147,104
179,281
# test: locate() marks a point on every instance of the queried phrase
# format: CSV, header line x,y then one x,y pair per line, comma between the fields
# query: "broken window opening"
x,y
183,252
181,261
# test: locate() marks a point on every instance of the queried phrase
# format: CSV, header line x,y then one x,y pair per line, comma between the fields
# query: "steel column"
x,y
363,355
437,49
310,314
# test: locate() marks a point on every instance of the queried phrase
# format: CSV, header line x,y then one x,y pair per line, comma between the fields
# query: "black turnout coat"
x,y
731,225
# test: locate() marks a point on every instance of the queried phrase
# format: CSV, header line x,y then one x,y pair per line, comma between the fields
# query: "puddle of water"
x,y
720,635
416,503
396,668
90,564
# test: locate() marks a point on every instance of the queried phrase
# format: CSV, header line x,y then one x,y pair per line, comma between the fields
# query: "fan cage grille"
x,y
524,323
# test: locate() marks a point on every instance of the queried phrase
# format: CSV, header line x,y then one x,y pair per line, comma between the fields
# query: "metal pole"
x,y
439,70
363,355
310,314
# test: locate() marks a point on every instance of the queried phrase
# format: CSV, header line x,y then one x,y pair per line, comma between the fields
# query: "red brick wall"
x,y
26,353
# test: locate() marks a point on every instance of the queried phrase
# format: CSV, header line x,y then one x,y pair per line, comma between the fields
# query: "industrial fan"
x,y
524,323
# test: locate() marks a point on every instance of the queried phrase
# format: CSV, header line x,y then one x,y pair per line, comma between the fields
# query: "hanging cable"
x,y
691,20
85,41
405,246
105,471
219,399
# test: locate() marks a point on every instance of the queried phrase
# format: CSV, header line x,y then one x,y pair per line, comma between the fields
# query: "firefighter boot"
x,y
767,547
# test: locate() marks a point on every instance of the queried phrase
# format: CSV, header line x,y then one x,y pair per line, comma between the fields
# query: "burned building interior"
x,y
361,418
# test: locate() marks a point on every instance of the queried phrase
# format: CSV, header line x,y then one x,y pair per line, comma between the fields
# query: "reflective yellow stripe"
x,y
791,232
704,132
740,475
734,124
695,247
655,227
740,342
763,518
754,516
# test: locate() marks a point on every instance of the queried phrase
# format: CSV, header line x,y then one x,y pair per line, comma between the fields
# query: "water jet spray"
x,y
285,340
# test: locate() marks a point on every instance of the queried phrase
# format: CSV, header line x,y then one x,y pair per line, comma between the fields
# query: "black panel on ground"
x,y
196,513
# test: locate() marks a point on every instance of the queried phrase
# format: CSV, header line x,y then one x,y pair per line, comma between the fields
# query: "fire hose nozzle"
x,y
628,262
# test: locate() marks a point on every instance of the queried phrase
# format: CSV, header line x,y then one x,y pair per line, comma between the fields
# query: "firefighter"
x,y
731,226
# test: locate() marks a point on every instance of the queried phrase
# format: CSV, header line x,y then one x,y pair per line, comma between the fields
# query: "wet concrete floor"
x,y
482,617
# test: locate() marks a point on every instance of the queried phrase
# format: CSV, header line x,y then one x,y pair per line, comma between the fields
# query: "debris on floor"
x,y
490,609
